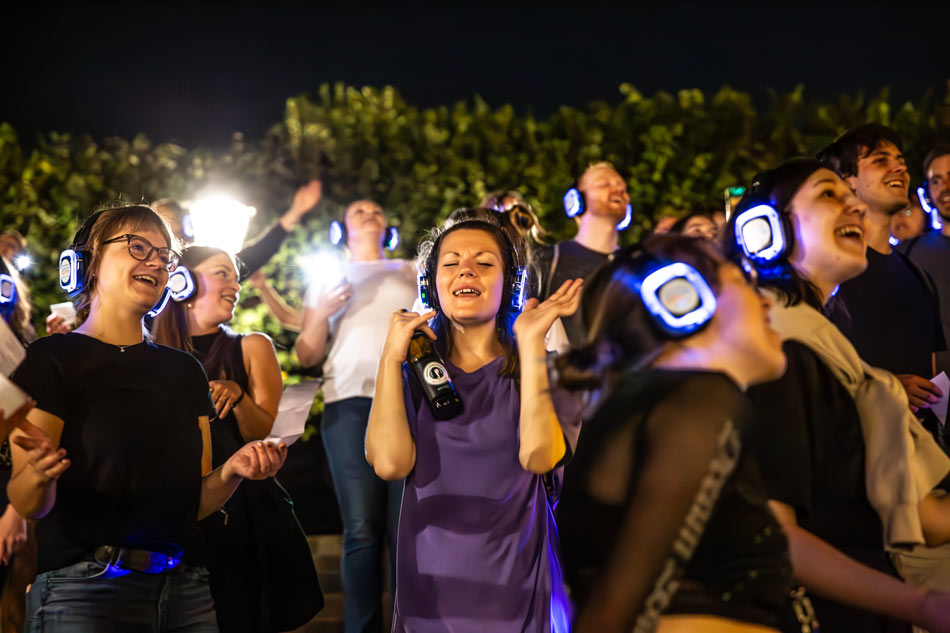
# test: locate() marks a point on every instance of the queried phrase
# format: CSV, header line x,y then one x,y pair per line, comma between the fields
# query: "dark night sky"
x,y
197,72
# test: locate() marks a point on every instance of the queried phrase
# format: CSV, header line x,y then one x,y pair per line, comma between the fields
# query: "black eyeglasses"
x,y
141,249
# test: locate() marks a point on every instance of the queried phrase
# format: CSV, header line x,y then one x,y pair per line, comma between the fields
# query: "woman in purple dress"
x,y
476,547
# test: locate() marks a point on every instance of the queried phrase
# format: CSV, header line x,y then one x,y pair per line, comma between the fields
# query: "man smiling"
x,y
893,317
605,202
932,250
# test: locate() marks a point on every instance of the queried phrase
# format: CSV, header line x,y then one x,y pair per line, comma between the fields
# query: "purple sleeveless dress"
x,y
477,545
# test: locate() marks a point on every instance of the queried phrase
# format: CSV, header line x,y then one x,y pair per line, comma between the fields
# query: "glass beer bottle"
x,y
429,369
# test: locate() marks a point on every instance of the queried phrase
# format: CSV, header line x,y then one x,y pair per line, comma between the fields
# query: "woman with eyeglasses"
x,y
116,464
847,468
664,523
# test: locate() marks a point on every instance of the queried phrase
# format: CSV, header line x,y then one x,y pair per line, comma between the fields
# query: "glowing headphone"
x,y
338,235
8,294
764,234
677,297
180,287
181,284
515,279
929,208
575,204
73,262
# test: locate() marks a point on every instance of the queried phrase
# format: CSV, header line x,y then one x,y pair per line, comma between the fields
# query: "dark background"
x,y
196,72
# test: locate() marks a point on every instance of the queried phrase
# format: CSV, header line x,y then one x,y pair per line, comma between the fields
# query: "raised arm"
x,y
258,253
541,439
390,448
311,344
290,318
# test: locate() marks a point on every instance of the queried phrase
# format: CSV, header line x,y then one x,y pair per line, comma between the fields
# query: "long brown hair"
x,y
171,326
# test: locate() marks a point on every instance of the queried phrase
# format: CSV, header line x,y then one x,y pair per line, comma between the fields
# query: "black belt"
x,y
138,560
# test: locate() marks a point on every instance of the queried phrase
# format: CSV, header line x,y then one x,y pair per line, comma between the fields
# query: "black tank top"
x,y
223,359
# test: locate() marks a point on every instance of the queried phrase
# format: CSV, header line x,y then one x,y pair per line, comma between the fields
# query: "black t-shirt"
x,y
570,260
893,315
653,443
131,432
808,442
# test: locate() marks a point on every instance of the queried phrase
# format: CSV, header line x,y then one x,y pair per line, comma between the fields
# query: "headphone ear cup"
x,y
788,235
390,238
627,219
518,284
72,271
337,233
574,204
181,285
678,298
427,294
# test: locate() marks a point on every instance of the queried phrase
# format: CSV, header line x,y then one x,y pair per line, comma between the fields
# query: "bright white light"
x,y
221,222
324,268
22,261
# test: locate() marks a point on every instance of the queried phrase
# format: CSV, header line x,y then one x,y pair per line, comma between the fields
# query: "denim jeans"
x,y
369,508
87,598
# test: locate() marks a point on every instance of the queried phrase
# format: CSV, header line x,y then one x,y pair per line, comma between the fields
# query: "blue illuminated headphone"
x,y
763,232
338,235
180,287
8,293
575,204
74,261
515,277
677,297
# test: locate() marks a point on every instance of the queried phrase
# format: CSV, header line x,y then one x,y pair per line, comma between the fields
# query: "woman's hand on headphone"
x,y
402,324
537,317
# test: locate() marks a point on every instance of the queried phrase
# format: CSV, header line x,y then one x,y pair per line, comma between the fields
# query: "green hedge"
x,y
674,151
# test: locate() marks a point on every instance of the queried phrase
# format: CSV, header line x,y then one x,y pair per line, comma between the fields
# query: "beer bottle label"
x,y
434,374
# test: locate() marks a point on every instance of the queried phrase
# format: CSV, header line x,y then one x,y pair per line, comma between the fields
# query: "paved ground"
x,y
326,552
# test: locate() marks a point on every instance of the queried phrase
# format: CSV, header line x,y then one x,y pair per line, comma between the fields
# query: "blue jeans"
x,y
86,598
369,507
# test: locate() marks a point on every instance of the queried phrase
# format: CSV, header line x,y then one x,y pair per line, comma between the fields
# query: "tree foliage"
x,y
675,150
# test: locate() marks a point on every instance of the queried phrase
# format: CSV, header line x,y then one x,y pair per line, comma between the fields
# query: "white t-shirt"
x,y
358,331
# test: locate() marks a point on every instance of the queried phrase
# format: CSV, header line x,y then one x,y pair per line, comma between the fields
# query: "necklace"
x,y
122,348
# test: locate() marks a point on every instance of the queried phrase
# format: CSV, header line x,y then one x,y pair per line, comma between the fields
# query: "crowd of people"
x,y
730,426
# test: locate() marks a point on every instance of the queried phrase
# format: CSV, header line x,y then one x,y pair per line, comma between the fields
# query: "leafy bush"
x,y
420,164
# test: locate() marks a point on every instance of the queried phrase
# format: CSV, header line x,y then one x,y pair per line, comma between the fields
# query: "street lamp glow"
x,y
324,268
221,222
22,262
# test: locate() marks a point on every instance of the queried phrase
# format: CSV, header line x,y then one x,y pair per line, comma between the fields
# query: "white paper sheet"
x,y
940,408
292,412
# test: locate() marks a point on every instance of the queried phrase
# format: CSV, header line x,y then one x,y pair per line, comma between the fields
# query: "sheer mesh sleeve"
x,y
677,462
